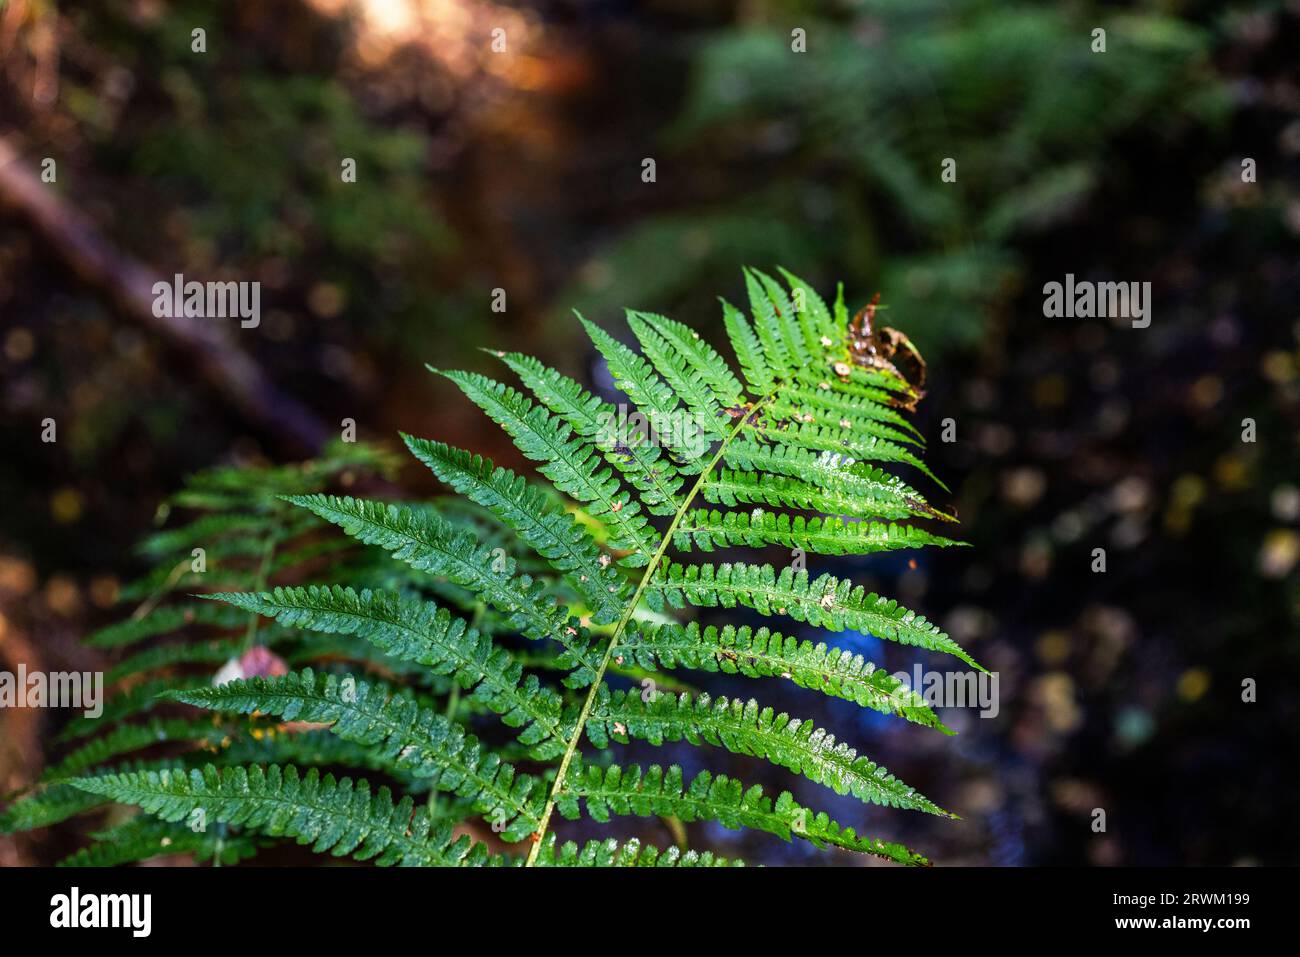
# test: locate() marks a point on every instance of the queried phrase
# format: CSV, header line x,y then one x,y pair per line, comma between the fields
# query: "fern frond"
x,y
818,429
749,351
46,806
551,532
709,529
777,327
414,738
139,699
570,463
779,454
765,654
835,474
162,621
689,383
636,457
129,738
874,498
144,837
830,404
814,318
421,632
686,437
52,803
632,853
656,792
429,544
691,358
826,601
334,816
743,727
810,437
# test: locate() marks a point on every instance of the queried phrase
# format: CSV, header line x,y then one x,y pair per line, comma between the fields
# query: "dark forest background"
x,y
522,171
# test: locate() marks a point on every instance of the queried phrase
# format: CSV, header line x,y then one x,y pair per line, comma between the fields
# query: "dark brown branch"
x,y
127,285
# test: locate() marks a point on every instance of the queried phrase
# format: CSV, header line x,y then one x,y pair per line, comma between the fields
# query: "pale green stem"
x,y
653,566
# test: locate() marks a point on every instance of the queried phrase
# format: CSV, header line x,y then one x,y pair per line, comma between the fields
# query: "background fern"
x,y
845,147
553,607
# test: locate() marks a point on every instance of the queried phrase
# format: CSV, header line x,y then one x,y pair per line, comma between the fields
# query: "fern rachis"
x,y
651,567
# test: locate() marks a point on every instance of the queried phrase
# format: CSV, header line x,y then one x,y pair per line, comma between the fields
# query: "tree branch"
x,y
127,285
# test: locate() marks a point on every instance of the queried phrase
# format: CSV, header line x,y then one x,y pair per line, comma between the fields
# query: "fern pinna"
x,y
566,599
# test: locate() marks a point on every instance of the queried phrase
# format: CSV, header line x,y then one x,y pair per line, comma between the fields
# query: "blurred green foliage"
x,y
830,160
242,146
279,188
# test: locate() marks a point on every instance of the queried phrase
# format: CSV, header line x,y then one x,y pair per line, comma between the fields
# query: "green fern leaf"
x,y
610,853
415,738
421,632
570,463
682,434
129,738
143,837
765,654
709,529
687,381
656,792
873,496
52,803
635,456
782,453
830,405
836,474
702,362
161,621
808,436
549,531
749,351
776,324
426,542
45,807
335,817
814,318
826,601
746,728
